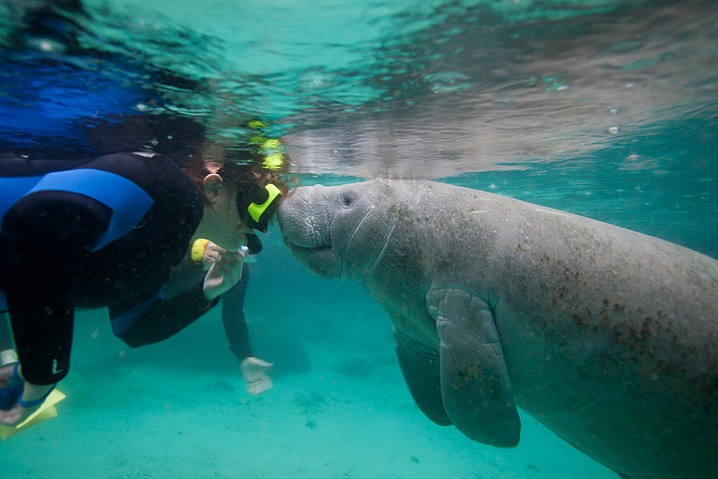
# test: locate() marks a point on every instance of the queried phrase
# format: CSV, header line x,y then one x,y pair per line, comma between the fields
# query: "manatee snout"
x,y
302,220
305,221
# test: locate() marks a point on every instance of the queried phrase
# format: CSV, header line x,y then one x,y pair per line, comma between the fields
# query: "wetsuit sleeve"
x,y
48,236
155,319
235,323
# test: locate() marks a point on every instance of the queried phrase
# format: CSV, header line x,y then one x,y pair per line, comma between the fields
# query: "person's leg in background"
x,y
7,353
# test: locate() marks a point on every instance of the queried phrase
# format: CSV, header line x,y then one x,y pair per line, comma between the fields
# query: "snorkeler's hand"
x,y
224,272
255,375
207,252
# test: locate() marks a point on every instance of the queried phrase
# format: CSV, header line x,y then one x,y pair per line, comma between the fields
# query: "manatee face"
x,y
336,231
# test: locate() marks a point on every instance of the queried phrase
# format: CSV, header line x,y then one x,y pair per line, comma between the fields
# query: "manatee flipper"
x,y
420,367
474,381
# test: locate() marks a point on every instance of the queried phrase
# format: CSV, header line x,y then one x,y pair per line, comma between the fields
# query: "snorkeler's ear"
x,y
213,185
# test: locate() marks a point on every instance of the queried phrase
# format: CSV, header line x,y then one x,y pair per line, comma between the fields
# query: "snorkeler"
x,y
107,234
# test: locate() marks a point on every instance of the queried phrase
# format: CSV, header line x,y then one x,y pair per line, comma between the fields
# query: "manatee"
x,y
606,336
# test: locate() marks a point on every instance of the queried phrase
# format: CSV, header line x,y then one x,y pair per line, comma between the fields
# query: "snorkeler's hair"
x,y
249,172
241,168
247,178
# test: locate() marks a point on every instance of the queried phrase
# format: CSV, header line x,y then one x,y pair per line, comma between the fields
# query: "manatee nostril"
x,y
346,199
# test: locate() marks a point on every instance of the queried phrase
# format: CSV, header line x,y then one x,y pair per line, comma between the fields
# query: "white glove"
x,y
255,375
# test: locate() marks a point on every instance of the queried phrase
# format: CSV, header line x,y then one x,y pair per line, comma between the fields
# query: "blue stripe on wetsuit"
x,y
129,203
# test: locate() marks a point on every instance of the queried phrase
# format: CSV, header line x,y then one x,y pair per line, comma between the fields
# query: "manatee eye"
x,y
346,199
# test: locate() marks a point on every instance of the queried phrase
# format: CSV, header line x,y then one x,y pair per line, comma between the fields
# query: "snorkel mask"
x,y
256,204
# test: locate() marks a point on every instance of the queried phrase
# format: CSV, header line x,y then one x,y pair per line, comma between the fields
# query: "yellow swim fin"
x,y
46,411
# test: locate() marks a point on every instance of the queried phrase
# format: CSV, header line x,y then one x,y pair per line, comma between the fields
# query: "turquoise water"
x,y
604,108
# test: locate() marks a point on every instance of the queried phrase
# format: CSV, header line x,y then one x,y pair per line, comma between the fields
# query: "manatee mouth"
x,y
296,247
306,238
319,259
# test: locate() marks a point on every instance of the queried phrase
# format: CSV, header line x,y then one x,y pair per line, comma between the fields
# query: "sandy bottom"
x,y
339,408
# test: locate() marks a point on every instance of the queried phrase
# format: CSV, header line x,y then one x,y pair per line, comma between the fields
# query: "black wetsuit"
x,y
52,260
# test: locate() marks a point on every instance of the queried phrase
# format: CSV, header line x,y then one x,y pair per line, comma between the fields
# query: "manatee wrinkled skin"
x,y
606,336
